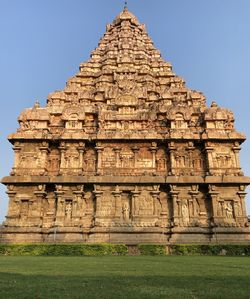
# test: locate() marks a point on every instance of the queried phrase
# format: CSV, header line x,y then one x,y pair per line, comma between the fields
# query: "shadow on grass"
x,y
123,286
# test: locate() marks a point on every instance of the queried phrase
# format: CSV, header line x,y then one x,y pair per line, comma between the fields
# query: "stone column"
x,y
165,211
98,195
214,201
135,150
13,208
135,208
236,151
155,195
193,201
191,207
17,148
176,205
242,194
189,157
40,194
117,157
153,150
118,202
60,209
77,211
172,150
99,150
44,149
209,151
62,149
81,149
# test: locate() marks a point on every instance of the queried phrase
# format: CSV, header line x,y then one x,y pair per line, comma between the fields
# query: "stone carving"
x,y
125,153
106,207
89,161
24,209
126,212
53,165
186,159
68,210
223,158
145,204
185,213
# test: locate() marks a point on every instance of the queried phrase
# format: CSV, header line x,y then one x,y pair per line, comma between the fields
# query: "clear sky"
x,y
44,41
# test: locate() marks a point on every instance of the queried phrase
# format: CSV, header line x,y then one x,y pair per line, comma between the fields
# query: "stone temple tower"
x,y
126,153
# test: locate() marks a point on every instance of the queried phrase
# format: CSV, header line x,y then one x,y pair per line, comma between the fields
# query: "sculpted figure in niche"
x,y
223,160
73,121
229,123
24,209
229,210
196,160
50,206
180,159
72,160
158,207
126,212
54,161
185,212
88,201
200,206
163,201
237,209
90,161
68,210
127,159
33,125
24,125
60,207
161,164
220,124
180,122
220,208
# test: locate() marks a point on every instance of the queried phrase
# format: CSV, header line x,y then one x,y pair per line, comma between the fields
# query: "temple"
x,y
126,153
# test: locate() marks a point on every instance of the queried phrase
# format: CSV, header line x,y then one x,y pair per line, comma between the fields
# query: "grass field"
x,y
125,277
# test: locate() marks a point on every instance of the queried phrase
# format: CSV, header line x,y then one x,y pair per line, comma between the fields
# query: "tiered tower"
x,y
126,153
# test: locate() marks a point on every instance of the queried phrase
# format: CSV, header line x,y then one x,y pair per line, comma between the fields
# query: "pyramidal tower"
x,y
126,153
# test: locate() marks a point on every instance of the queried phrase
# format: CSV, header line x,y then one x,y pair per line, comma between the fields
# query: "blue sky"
x,y
44,41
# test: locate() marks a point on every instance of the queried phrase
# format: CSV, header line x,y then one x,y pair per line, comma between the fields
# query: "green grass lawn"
x,y
125,277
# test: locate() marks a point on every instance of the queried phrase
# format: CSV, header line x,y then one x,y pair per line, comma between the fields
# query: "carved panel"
x,y
54,158
145,204
70,158
133,158
162,160
30,158
89,160
106,205
223,158
187,159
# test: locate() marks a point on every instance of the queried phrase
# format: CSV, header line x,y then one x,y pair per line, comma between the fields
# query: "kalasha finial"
x,y
126,5
37,104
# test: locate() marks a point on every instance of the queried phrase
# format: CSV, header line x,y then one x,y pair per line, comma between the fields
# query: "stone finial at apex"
x,y
126,15
125,5
37,104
